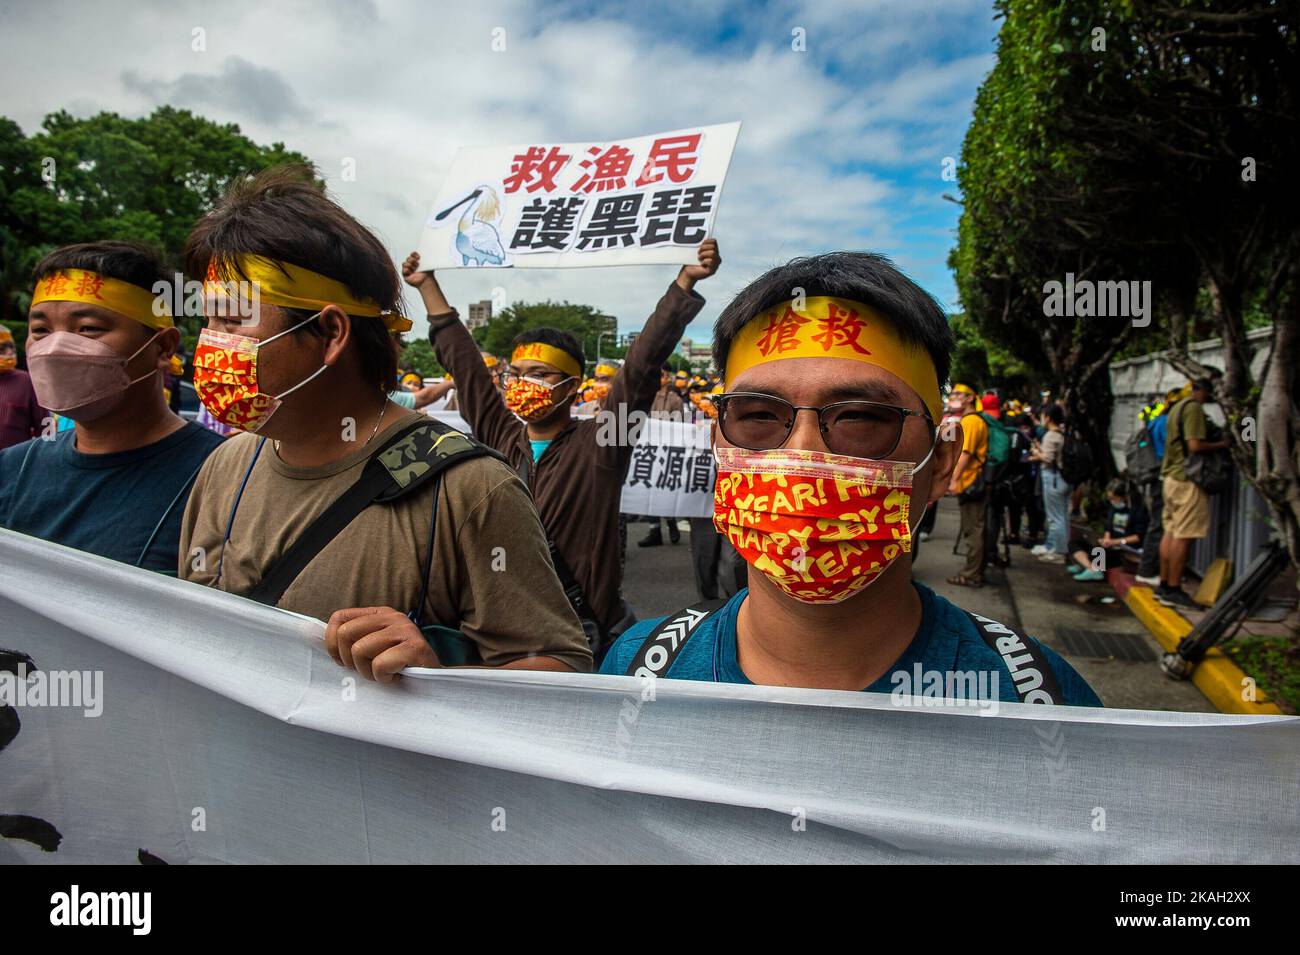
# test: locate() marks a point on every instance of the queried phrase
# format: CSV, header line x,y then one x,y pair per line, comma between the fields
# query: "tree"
x,y
417,357
590,327
108,177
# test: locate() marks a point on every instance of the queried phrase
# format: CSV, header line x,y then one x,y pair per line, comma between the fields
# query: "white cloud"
x,y
398,86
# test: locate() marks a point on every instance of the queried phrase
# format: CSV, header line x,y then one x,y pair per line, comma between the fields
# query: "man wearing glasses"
x,y
827,456
575,468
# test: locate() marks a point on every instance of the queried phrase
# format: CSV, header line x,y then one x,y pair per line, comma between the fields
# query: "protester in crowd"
x,y
97,350
1155,418
1022,499
1056,491
1126,525
967,485
575,468
21,415
827,453
668,403
668,406
1186,506
493,365
415,394
306,511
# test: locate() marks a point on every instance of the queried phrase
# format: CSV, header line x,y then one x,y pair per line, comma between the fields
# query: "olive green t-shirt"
x,y
1186,421
491,576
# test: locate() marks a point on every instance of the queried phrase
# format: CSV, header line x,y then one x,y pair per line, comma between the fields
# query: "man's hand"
x,y
377,642
709,262
435,303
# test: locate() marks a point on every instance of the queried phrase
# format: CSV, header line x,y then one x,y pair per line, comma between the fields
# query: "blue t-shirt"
x,y
539,447
105,504
945,643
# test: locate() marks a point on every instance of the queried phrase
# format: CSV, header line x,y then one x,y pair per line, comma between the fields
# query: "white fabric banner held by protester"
x,y
223,732
643,200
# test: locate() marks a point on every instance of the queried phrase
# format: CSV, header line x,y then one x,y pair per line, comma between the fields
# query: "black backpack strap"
x,y
572,589
662,644
1031,673
414,455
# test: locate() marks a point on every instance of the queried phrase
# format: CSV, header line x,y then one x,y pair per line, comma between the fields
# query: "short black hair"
x,y
283,213
132,262
861,276
555,338
1056,415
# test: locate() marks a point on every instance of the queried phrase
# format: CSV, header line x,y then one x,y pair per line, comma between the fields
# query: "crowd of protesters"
x,y
312,480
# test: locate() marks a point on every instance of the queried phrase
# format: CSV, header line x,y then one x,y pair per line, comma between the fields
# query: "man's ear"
x,y
168,340
337,329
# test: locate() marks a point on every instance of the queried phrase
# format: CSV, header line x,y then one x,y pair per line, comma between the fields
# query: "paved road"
x,y
1035,597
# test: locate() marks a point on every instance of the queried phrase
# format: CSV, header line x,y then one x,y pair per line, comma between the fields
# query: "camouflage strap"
x,y
416,454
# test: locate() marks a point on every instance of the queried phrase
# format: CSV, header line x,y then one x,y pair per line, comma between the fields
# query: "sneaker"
x,y
1075,569
1052,557
1038,550
1178,600
923,536
1090,575
653,539
1153,582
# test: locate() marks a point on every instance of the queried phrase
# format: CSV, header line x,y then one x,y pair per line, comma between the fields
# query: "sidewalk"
x,y
1043,601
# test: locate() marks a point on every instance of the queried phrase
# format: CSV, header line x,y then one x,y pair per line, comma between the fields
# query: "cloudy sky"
x,y
841,145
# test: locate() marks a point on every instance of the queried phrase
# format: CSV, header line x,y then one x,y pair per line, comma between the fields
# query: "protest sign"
x,y
672,472
636,201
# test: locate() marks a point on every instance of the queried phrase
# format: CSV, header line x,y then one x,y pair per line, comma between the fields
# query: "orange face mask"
x,y
820,526
529,399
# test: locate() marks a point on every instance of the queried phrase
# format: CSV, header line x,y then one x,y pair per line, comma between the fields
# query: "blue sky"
x,y
841,145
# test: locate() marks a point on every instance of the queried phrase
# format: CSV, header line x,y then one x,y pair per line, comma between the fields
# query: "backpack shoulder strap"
x,y
1031,673
415,454
662,644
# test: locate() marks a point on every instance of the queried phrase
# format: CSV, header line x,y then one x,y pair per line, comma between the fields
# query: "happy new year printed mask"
x,y
820,526
225,377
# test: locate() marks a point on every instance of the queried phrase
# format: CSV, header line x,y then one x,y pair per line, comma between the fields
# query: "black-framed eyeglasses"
x,y
860,429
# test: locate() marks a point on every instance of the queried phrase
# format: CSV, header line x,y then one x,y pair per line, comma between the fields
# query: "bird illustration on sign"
x,y
477,239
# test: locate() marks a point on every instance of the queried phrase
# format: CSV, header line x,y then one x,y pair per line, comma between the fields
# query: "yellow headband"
x,y
78,285
834,328
539,351
292,286
607,370
490,360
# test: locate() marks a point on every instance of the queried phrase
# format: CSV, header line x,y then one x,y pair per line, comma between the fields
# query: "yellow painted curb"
x,y
1216,676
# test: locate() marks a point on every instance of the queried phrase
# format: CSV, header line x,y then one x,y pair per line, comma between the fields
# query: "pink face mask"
x,y
78,377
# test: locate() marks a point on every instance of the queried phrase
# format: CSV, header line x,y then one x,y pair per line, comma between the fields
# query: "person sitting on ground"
x,y
827,454
1126,525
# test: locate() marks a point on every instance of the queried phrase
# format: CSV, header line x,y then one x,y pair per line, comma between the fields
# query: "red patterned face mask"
x,y
529,399
820,526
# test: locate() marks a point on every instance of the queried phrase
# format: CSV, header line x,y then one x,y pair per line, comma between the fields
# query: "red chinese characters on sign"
x,y
840,327
605,169
535,169
781,333
673,157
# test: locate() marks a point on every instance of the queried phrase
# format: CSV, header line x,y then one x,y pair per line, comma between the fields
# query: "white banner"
x,y
672,472
221,731
637,201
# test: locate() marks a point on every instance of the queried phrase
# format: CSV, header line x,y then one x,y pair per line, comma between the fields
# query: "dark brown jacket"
x,y
578,482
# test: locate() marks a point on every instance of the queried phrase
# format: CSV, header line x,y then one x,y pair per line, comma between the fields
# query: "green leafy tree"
x,y
109,177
